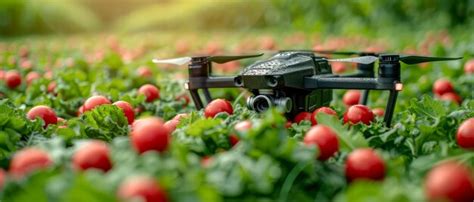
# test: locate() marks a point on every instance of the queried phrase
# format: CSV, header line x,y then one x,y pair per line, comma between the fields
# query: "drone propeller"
x,y
414,59
345,52
360,60
407,59
217,59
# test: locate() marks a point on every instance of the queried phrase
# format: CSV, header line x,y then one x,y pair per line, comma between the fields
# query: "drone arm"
x,y
349,83
204,83
211,82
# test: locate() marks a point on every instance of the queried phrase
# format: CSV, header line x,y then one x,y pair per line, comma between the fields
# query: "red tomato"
x,y
217,106
206,161
3,175
180,116
171,125
302,116
449,181
127,110
442,86
51,87
338,67
378,111
80,110
141,188
150,91
268,43
243,126
2,74
351,97
288,124
364,164
325,110
92,155
30,77
359,113
184,97
12,79
28,160
95,101
233,139
325,139
465,134
150,134
469,67
452,97
43,112
144,71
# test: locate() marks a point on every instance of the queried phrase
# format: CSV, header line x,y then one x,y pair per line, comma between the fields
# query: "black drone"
x,y
299,80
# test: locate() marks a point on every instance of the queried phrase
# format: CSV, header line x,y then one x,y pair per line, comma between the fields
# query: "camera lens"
x,y
261,103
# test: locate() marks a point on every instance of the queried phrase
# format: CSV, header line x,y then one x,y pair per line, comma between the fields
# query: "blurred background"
x,y
369,17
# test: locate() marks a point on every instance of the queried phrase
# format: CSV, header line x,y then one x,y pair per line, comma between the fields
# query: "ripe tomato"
x,y
150,134
170,125
442,86
243,126
378,111
141,188
325,139
302,116
449,181
2,178
233,139
2,74
469,67
338,67
95,101
127,110
144,71
28,160
12,79
358,113
217,106
364,164
150,91
268,43
465,134
30,77
92,155
452,97
80,110
184,97
351,97
325,110
43,112
51,87
206,161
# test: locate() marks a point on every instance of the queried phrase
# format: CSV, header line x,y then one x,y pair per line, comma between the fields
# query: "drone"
x,y
299,80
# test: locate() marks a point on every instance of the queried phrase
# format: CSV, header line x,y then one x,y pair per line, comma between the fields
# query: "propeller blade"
x,y
414,59
227,58
338,52
361,60
175,61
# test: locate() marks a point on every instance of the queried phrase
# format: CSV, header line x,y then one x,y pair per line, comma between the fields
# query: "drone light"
x,y
398,86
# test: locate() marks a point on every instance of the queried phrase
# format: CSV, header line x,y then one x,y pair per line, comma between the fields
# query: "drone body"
x,y
279,81
298,80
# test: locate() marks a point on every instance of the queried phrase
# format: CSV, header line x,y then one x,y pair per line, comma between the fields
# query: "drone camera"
x,y
261,103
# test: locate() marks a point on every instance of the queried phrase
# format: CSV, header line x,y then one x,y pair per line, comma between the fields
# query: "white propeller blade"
x,y
361,60
176,61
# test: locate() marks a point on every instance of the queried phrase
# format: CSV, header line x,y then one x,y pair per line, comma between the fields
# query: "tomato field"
x,y
90,117
100,122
